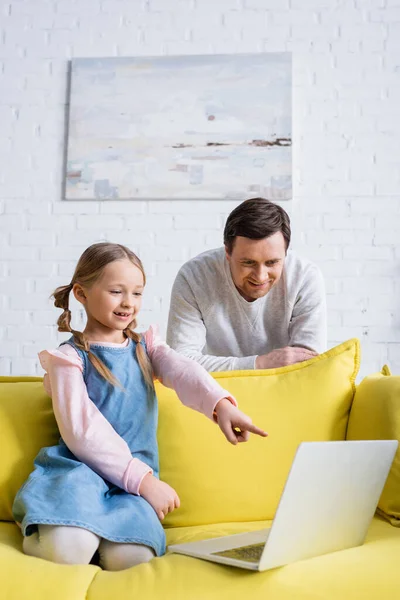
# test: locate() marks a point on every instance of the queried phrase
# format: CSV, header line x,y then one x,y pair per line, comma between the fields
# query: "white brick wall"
x,y
346,207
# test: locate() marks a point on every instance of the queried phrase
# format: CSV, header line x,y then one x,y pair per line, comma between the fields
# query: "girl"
x,y
98,489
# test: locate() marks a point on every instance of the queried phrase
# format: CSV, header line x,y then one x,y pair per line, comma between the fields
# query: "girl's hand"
x,y
160,495
235,425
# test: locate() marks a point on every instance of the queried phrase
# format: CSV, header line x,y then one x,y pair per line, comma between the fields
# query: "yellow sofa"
x,y
223,489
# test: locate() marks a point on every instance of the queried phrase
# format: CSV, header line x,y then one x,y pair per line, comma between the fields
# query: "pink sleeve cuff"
x,y
134,474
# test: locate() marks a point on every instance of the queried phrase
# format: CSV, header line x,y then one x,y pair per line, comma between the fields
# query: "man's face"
x,y
256,265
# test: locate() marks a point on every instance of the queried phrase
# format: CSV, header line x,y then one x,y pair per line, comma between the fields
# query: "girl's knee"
x,y
60,544
117,557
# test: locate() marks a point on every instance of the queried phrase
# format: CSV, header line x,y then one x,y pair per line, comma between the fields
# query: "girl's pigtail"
x,y
142,356
61,300
83,344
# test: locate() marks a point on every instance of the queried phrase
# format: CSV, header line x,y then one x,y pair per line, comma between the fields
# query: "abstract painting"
x,y
188,127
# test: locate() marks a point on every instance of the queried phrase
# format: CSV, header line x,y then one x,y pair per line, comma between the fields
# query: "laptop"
x,y
327,504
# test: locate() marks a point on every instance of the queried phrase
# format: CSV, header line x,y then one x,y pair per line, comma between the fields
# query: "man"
x,y
250,305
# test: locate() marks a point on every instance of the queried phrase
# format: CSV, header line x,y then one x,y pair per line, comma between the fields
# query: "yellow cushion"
x,y
218,482
375,414
368,572
27,424
27,578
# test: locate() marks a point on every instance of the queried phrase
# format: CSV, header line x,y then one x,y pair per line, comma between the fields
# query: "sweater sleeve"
x,y
308,323
85,431
187,332
193,385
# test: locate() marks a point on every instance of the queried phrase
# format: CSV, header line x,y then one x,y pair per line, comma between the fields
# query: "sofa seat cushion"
x,y
26,578
375,415
369,572
218,482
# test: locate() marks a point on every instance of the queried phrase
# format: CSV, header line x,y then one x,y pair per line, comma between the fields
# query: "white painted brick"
x,y
18,286
5,366
365,4
45,317
346,188
387,236
29,333
66,223
375,205
266,4
181,236
394,355
177,207
32,350
16,252
77,208
89,8
346,302
197,221
10,222
101,223
24,366
367,253
120,207
334,268
306,4
180,6
133,238
10,349
30,269
378,268
37,301
148,223
383,334
14,317
169,269
17,206
82,239
319,253
388,221
385,15
379,286
33,238
66,269
213,239
339,334
336,222
388,187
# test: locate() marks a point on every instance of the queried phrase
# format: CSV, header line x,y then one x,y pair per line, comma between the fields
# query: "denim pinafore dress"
x,y
64,491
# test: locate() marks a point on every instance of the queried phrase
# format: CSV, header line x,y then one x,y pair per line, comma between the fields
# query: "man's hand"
x,y
235,425
160,495
283,357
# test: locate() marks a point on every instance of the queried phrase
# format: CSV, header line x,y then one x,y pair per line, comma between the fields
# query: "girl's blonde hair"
x,y
89,268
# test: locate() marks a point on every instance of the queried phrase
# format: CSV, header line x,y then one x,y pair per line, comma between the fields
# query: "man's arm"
x,y
307,328
186,331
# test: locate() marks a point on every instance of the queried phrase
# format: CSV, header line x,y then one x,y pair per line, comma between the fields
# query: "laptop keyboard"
x,y
250,553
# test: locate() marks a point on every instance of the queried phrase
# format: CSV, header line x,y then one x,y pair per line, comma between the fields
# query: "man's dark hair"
x,y
256,218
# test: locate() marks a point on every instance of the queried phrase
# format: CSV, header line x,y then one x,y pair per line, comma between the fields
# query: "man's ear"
x,y
79,293
227,253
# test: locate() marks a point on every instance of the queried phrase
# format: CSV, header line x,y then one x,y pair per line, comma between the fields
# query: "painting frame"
x,y
201,127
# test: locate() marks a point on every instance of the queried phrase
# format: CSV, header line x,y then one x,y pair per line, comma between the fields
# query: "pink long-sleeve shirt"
x,y
85,430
